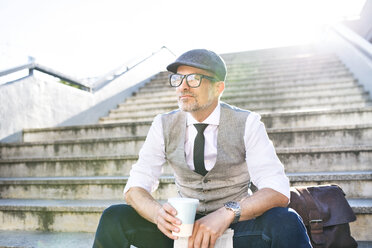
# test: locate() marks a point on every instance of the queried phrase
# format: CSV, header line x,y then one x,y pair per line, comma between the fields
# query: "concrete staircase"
x,y
320,120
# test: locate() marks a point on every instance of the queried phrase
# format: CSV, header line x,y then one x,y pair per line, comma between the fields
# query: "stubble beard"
x,y
188,107
194,106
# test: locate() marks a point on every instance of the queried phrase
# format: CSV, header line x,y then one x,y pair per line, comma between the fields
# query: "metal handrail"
x,y
29,66
62,76
98,84
106,79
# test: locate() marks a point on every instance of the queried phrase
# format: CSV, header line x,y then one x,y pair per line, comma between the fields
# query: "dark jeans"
x,y
121,226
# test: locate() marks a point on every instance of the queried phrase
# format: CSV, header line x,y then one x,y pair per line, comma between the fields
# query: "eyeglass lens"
x,y
193,80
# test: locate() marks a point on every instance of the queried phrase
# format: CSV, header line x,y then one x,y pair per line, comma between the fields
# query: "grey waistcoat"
x,y
229,178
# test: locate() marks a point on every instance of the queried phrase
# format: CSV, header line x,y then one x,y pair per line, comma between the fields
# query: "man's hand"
x,y
209,228
166,220
151,210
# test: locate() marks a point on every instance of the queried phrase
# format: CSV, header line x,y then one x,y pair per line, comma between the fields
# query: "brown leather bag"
x,y
326,215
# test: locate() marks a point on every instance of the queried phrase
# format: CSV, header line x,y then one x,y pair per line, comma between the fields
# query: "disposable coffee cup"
x,y
186,210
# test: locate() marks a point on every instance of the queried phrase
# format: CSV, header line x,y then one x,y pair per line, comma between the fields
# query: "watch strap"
x,y
235,208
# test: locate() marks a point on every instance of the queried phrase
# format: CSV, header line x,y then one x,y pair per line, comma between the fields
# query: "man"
x,y
215,151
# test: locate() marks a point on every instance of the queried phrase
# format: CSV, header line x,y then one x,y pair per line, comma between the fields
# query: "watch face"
x,y
233,205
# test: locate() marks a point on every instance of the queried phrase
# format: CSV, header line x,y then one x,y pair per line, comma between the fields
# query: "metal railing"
x,y
32,65
97,84
106,79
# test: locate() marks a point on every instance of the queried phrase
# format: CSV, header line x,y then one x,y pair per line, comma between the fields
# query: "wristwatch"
x,y
235,207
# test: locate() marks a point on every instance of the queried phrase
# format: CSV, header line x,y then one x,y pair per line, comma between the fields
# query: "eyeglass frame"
x,y
212,79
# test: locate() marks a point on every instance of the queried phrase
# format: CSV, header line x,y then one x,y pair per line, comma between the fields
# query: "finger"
x,y
198,239
167,232
192,237
212,241
169,218
168,213
190,243
205,241
167,225
195,228
170,209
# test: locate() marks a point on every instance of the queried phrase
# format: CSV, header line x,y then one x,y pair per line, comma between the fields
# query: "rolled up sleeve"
x,y
146,171
264,166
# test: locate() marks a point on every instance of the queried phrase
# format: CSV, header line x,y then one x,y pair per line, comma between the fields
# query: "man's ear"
x,y
220,87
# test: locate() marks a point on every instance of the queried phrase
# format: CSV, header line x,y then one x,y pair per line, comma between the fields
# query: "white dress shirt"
x,y
264,167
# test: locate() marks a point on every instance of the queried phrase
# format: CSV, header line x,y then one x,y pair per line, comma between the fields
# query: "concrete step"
x,y
308,159
164,82
95,131
321,118
52,215
296,159
291,75
245,81
305,64
352,135
266,99
336,158
345,88
83,216
360,229
312,81
68,167
356,184
341,116
261,101
73,148
130,115
277,74
107,120
283,63
76,188
278,70
284,59
307,103
258,93
31,239
273,64
282,137
280,67
244,88
272,56
305,91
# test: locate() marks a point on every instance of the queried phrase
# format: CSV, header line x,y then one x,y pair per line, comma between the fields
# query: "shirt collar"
x,y
212,119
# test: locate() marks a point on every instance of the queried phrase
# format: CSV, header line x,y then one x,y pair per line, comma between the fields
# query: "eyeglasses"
x,y
192,80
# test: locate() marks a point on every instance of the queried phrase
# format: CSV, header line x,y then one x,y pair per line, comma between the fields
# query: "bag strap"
x,y
315,219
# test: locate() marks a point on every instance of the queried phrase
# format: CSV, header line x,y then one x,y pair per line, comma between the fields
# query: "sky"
x,y
88,38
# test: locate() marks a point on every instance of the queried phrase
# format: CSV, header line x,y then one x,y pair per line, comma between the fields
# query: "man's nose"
x,y
184,85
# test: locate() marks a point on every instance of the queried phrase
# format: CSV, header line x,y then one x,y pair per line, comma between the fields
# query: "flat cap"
x,y
202,59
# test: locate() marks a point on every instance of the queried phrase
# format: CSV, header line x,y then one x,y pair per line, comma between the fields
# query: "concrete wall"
x,y
354,51
363,26
36,102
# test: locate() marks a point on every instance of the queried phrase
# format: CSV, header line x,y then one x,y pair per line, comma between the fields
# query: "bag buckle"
x,y
315,221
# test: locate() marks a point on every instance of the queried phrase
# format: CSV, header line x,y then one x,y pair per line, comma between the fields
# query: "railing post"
x,y
31,69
